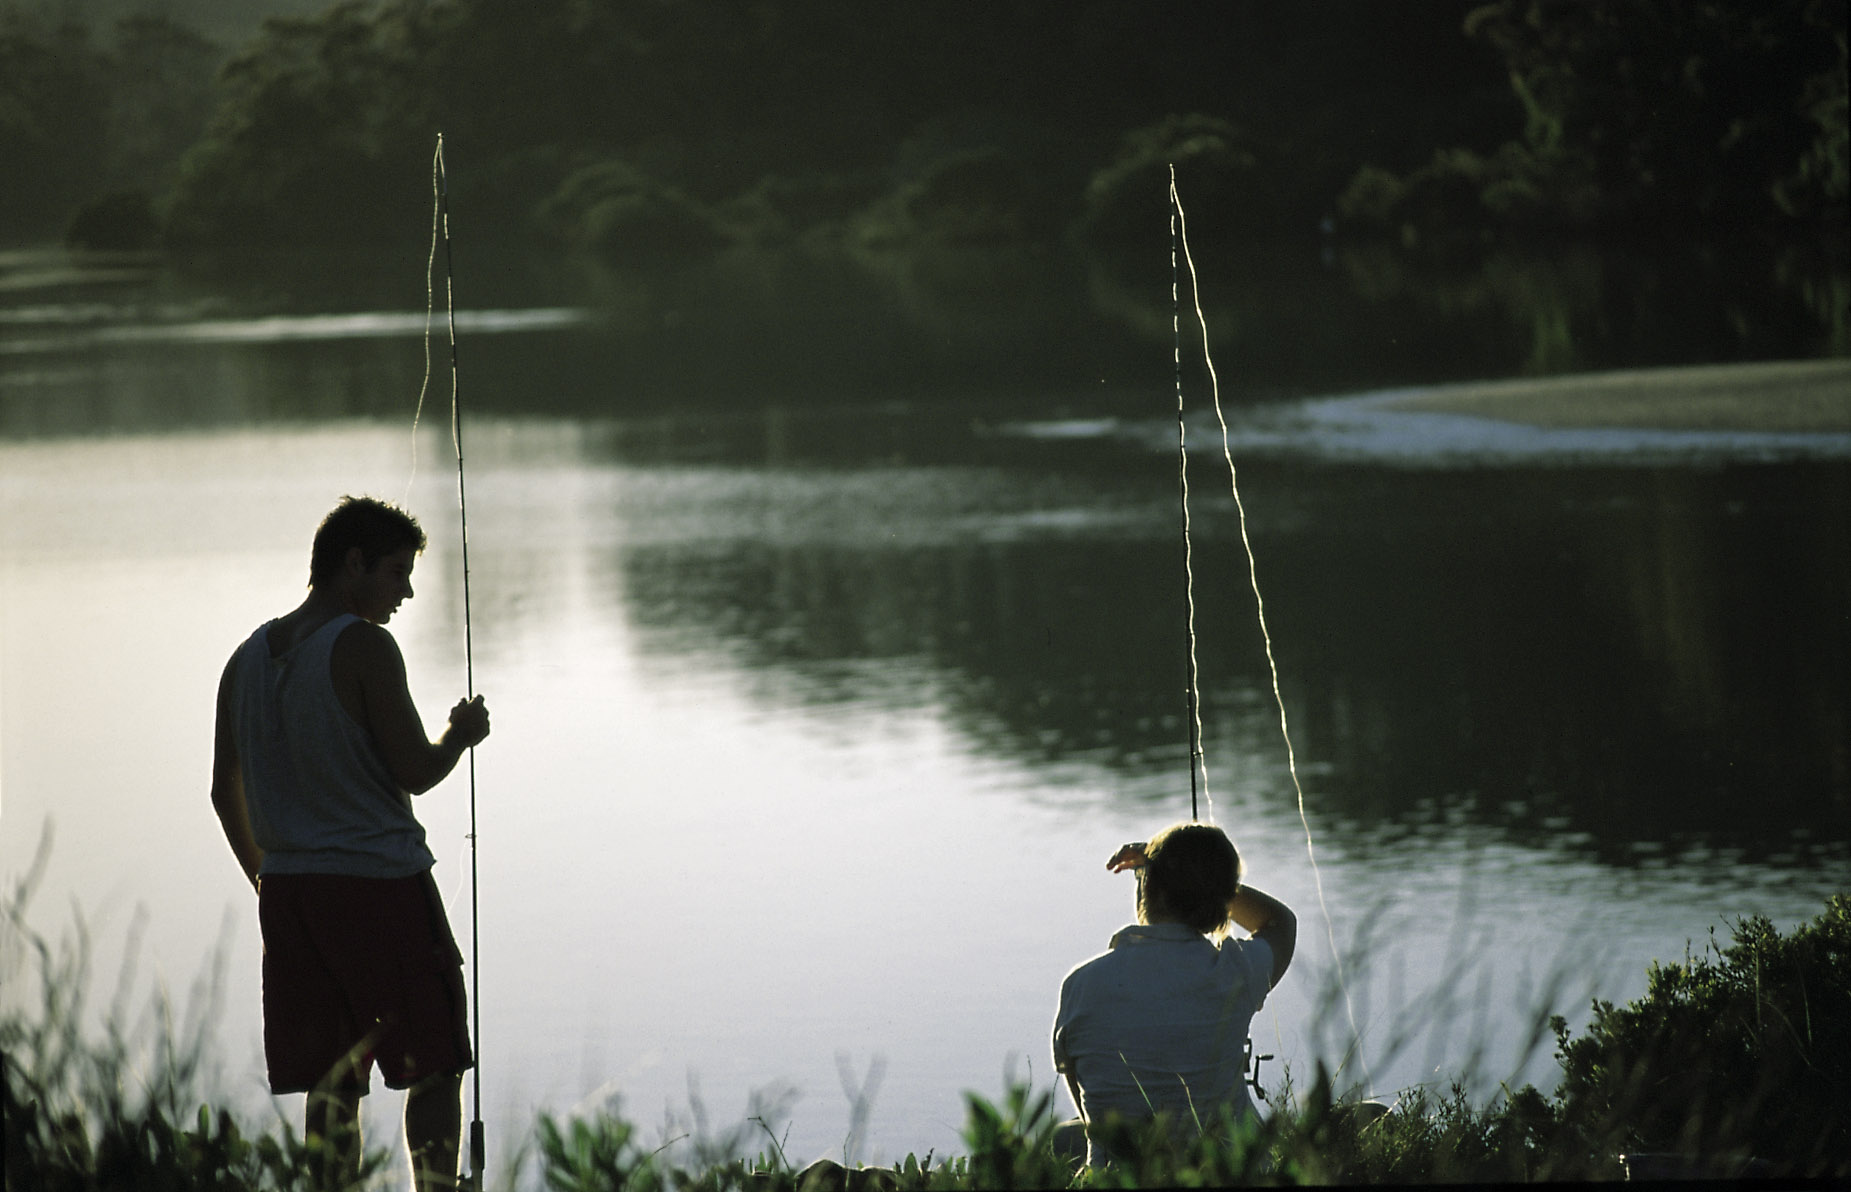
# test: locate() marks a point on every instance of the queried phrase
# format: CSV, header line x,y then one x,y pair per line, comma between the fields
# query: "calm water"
x,y
816,719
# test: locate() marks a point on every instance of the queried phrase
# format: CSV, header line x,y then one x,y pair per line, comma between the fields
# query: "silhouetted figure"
x,y
317,753
1158,1024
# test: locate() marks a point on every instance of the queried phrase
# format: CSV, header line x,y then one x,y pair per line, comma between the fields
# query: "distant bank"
x,y
1787,396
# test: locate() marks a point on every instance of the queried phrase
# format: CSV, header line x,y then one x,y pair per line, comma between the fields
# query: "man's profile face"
x,y
378,592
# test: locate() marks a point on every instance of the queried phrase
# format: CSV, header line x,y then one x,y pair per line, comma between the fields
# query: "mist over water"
x,y
819,704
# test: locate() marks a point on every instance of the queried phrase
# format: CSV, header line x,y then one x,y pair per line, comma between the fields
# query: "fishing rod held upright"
x,y
1191,675
478,1145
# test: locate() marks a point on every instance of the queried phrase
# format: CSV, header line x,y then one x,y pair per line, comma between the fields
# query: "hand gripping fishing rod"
x,y
478,1146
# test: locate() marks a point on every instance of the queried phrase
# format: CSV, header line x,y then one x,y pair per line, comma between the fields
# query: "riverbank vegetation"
x,y
1736,1060
964,193
644,132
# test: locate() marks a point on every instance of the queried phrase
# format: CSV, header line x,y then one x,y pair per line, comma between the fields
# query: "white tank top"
x,y
321,798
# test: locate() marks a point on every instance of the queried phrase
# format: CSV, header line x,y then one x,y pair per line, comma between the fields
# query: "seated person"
x,y
1158,1024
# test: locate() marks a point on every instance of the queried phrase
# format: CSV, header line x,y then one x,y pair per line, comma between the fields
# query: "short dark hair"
x,y
1191,872
377,528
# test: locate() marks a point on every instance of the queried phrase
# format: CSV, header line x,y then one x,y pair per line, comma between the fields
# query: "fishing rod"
x,y
478,1146
1191,686
1179,229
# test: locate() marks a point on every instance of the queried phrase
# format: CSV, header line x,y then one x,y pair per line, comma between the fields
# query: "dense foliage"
x,y
676,126
1698,116
86,118
696,122
1745,1049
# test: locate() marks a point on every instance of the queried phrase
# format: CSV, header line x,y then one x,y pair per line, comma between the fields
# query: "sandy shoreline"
x,y
1804,396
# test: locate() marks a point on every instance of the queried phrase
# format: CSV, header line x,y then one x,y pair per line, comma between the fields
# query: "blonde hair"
x,y
1191,873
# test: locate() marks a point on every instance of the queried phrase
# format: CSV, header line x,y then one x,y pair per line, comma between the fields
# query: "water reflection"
x,y
744,665
1601,659
1630,655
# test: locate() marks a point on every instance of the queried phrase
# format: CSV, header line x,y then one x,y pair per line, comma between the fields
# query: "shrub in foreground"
x,y
117,1106
1742,1051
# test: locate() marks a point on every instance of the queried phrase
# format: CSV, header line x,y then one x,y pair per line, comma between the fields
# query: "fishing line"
x,y
440,221
430,268
1180,235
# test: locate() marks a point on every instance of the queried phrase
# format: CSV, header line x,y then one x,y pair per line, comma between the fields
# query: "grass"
x,y
116,1107
1736,1060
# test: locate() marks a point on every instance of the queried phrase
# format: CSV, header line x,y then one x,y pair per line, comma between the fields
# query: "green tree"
x,y
319,136
1697,109
982,119
54,121
160,98
1695,115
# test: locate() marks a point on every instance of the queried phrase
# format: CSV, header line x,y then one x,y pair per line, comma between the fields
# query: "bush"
x,y
1219,166
1461,195
626,216
1744,1050
979,196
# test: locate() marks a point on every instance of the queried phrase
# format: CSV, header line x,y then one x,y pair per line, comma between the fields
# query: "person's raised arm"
x,y
1128,856
228,785
1270,920
416,762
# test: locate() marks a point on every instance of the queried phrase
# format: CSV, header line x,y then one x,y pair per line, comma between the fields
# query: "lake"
x,y
819,706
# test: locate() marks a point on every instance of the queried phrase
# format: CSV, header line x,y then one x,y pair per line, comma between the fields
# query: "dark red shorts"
x,y
359,971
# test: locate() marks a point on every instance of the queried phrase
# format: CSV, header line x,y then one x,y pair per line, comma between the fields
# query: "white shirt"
x,y
1159,1023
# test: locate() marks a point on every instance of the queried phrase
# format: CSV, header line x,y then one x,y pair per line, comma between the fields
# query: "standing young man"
x,y
317,752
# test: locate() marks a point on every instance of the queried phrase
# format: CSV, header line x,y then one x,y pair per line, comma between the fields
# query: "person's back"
x,y
321,798
1158,1023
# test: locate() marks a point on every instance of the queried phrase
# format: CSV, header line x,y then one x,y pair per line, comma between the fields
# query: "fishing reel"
x,y
1250,1068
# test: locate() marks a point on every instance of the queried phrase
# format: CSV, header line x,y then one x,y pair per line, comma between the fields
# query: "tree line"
x,y
658,129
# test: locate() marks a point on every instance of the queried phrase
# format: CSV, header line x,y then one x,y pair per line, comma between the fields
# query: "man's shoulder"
x,y
1248,961
362,636
1234,944
365,651
259,636
1090,968
1076,990
256,641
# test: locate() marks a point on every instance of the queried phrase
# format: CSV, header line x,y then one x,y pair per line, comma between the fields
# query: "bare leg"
x,y
333,1120
433,1131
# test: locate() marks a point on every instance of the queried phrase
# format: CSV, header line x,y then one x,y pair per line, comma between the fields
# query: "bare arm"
x,y
368,665
228,786
1259,912
1270,920
1128,856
